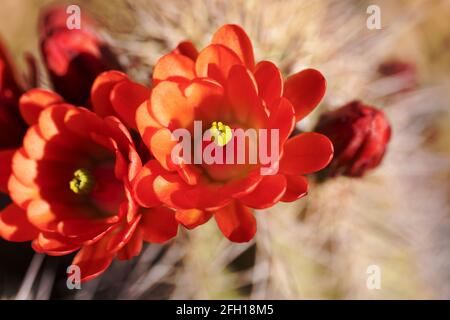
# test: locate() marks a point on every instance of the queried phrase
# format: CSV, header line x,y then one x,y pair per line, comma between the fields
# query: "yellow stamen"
x,y
220,133
83,181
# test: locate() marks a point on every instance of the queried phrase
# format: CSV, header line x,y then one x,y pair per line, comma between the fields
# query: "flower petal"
x,y
200,100
34,101
93,260
242,92
297,187
187,49
6,157
124,232
282,117
236,222
46,215
169,106
126,97
37,148
85,227
215,61
306,153
305,89
32,173
144,119
132,248
158,224
143,185
192,218
15,226
160,143
172,190
235,38
54,244
101,90
174,65
21,194
270,81
268,192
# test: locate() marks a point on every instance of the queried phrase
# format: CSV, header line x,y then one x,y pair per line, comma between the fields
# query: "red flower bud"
x,y
12,127
359,134
74,58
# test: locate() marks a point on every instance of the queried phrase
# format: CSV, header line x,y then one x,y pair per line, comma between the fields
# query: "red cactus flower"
x,y
71,189
222,87
360,134
12,127
73,58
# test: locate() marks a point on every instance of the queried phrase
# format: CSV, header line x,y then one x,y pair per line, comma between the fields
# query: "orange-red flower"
x,y
74,57
71,189
222,84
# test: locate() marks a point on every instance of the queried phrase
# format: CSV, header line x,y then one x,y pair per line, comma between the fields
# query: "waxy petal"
x,y
132,248
215,61
270,82
101,92
158,224
187,49
6,157
192,218
21,194
236,222
144,119
54,244
126,97
268,192
143,191
169,106
34,101
305,89
282,117
306,153
15,226
93,260
234,37
297,187
173,66
242,92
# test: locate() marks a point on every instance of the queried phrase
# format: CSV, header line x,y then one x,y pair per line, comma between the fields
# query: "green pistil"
x,y
83,182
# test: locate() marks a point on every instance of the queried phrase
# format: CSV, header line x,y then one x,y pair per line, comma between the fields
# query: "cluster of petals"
x,y
99,179
100,224
223,83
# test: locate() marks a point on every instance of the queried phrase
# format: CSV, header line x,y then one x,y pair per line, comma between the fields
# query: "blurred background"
x,y
396,217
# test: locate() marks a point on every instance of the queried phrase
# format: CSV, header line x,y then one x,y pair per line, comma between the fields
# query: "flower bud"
x,y
12,127
73,57
359,133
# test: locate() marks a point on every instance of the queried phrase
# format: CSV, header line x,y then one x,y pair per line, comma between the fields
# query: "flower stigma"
x,y
83,181
221,133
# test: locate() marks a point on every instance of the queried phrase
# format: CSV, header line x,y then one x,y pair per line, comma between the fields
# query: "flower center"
x,y
220,133
83,181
